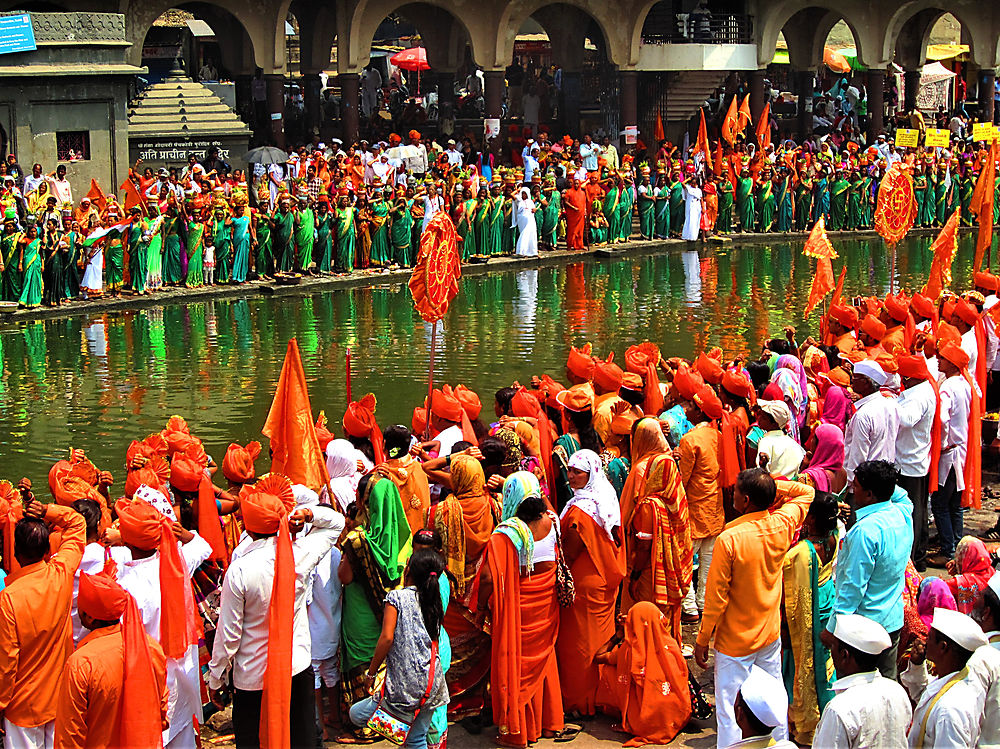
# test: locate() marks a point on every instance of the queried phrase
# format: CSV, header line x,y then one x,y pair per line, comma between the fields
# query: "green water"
x,y
96,382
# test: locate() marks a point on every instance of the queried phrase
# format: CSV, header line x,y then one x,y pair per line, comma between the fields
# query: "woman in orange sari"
x,y
647,679
518,587
592,541
647,442
465,521
407,474
660,554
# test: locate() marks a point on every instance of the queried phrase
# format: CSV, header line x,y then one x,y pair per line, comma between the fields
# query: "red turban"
x,y
708,402
915,367
187,474
608,376
359,422
709,368
524,404
153,446
873,327
897,306
238,466
550,389
954,353
846,316
446,406
687,382
139,720
987,281
419,421
469,400
176,434
580,363
414,134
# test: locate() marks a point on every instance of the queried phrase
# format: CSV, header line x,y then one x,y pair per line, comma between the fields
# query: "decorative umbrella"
x,y
266,155
402,152
835,61
414,58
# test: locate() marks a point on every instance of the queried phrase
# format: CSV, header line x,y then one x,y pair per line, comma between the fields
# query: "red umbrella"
x,y
414,58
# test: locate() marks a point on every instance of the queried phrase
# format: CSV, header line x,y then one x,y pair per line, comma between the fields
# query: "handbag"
x,y
390,725
565,587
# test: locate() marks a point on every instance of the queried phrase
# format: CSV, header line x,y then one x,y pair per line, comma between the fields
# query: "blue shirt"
x,y
872,563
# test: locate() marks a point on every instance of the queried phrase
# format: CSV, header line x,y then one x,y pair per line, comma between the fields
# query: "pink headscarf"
x,y
836,405
934,594
829,455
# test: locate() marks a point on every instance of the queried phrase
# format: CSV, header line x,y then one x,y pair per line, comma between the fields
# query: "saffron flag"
x,y
729,127
717,169
839,291
818,244
897,204
132,196
981,206
764,128
434,280
658,133
944,248
822,284
96,195
701,144
295,450
743,117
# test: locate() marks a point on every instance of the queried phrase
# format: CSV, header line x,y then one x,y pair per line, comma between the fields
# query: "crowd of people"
x,y
329,209
534,560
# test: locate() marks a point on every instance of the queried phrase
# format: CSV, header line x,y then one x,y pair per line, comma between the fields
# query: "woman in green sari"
x,y
783,201
661,201
647,203
381,252
481,220
744,201
173,228
597,225
966,185
803,202
612,198
401,231
467,225
263,259
809,593
242,237
346,234
30,266
71,272
766,201
220,232
854,198
324,235
676,205
838,201
195,252
375,551
626,202
821,197
494,236
924,217
52,268
304,235
12,280
551,202
867,203
138,251
942,197
114,259
283,226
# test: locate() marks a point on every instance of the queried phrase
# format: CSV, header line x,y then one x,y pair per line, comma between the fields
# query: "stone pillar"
x,y
276,107
493,93
446,94
876,103
804,89
630,107
756,95
572,86
244,99
987,79
911,87
312,85
349,106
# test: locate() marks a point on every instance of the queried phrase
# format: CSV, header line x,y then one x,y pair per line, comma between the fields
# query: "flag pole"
x,y
892,269
430,381
349,398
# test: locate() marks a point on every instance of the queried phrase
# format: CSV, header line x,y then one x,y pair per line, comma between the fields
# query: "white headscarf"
x,y
157,499
598,498
342,465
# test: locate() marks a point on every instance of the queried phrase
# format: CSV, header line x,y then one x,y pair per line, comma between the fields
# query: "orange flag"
x,y
838,292
822,283
96,195
295,450
701,144
945,246
658,133
730,129
818,244
718,159
132,196
764,127
982,206
743,117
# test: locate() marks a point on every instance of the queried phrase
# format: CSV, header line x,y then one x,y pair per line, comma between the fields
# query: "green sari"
x,y
467,229
803,204
647,213
71,274
611,214
783,201
724,220
401,234
31,291
222,241
241,247
172,273
346,235
263,261
625,204
838,204
548,232
114,263
324,242
766,201
494,232
924,218
196,254
12,281
305,237
138,256
807,667
281,240
676,207
381,253
662,209
745,203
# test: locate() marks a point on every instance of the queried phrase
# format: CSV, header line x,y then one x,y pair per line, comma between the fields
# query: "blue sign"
x,y
16,34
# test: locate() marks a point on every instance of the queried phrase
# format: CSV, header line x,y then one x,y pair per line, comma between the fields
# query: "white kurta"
x,y
527,230
432,204
953,718
93,276
692,213
324,606
868,711
984,668
956,400
141,578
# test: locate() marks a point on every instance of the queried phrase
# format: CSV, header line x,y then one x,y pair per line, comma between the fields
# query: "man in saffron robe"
x,y
575,201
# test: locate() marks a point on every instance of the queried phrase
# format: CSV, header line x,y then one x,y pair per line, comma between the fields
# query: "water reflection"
x,y
95,382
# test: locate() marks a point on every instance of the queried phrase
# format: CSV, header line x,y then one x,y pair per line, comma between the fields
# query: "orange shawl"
x,y
409,477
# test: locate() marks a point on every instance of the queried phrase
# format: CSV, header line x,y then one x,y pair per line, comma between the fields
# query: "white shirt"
x,y
984,670
454,157
970,347
448,437
241,634
915,406
871,432
953,720
141,578
324,607
956,400
91,564
868,711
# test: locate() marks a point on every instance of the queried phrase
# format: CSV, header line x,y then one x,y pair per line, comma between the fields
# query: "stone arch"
x,y
607,16
440,20
912,22
260,33
317,32
810,18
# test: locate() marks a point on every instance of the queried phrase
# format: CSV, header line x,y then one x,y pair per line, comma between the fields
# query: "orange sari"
x,y
647,442
525,675
408,476
587,625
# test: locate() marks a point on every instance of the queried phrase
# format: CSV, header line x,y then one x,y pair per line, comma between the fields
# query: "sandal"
x,y
500,741
993,534
569,732
350,738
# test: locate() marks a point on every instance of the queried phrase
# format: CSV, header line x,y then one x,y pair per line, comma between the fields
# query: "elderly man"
x,y
871,431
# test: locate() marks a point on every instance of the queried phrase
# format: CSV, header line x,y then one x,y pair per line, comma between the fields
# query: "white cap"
x,y
994,583
960,628
872,371
862,633
766,697
777,410
304,496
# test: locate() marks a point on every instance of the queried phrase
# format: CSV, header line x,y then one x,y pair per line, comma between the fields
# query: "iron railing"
x,y
663,27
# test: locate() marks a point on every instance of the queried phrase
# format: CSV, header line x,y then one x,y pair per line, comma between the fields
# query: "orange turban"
x,y
846,316
580,363
176,434
155,474
687,382
524,404
873,327
187,474
923,306
550,389
897,307
359,422
265,507
11,510
414,134
954,353
70,480
446,406
419,421
324,435
575,399
987,281
153,446
146,528
607,375
736,382
709,368
238,466
139,720
632,381
708,402
643,359
469,400
966,312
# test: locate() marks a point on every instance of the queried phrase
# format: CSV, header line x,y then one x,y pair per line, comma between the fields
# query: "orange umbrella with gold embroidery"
x,y
896,210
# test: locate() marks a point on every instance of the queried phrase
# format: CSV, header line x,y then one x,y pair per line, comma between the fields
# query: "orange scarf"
x,y
972,497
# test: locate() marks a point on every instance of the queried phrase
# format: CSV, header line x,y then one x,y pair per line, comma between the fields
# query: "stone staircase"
x,y
687,91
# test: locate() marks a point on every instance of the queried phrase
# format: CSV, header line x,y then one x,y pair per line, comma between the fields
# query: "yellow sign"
x,y
907,138
983,131
936,138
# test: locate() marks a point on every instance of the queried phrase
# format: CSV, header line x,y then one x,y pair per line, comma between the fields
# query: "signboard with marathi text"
x,y
907,138
16,34
983,132
937,138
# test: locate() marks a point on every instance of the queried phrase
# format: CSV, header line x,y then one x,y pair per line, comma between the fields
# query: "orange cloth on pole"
x,y
981,205
743,116
822,284
730,126
658,133
763,132
294,445
92,693
701,142
699,466
36,636
587,625
743,590
414,490
524,673
944,248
